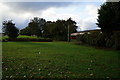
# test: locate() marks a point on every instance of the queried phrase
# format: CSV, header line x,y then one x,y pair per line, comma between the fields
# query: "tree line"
x,y
56,30
108,20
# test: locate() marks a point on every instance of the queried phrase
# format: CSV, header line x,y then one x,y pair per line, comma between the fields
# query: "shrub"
x,y
116,37
101,40
28,39
110,41
10,29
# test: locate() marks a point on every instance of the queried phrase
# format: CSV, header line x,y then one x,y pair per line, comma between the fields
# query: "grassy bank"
x,y
58,60
24,38
21,36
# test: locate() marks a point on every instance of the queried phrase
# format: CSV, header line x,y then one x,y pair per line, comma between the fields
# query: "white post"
x,y
68,34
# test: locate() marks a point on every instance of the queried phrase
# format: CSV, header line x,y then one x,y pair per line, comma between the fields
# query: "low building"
x,y
73,35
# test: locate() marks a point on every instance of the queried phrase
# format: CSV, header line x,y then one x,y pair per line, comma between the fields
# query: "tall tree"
x,y
35,27
59,30
109,17
10,29
25,31
48,29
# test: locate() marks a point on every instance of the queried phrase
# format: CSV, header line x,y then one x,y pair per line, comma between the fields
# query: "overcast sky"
x,y
84,13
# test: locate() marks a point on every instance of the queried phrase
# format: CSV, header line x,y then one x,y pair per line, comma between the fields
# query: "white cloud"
x,y
84,14
58,0
91,10
90,17
8,13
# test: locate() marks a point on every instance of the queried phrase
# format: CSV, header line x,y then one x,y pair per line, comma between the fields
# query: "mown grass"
x,y
58,60
21,36
25,36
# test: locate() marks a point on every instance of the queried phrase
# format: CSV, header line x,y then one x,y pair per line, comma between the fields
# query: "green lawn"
x,y
21,36
25,36
58,60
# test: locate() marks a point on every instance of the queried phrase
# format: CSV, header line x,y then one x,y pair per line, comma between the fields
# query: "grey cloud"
x,y
30,7
35,6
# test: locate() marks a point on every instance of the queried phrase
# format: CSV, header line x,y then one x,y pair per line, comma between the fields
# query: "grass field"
x,y
21,36
58,60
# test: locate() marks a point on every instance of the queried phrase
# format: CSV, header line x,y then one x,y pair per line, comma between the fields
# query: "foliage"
x,y
109,17
10,29
59,30
24,38
116,39
25,31
101,40
35,27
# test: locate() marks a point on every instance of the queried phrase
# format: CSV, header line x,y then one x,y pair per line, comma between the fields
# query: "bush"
x,y
28,39
92,39
110,41
101,40
10,29
116,37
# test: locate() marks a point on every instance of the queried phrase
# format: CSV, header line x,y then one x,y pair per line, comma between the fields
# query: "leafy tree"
x,y
109,17
59,30
25,31
10,29
48,29
35,27
55,30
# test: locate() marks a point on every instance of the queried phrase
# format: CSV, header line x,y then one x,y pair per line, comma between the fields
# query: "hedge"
x,y
101,40
27,39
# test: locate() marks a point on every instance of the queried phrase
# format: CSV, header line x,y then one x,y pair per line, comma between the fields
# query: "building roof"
x,y
86,31
94,30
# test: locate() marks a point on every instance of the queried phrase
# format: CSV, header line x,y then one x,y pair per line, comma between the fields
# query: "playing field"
x,y
58,60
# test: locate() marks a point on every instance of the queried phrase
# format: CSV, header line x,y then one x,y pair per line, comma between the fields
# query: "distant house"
x,y
2,34
73,35
1,37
